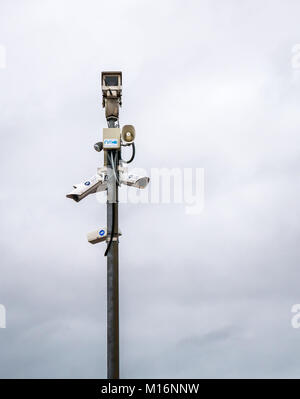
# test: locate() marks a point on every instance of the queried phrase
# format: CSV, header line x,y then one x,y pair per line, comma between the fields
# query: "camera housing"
x,y
98,146
99,235
135,181
111,84
95,183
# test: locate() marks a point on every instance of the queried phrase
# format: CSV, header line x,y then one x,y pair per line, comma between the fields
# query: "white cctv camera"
x,y
97,182
99,235
134,180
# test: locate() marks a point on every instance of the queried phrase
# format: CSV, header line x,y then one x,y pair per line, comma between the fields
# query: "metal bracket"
x,y
115,237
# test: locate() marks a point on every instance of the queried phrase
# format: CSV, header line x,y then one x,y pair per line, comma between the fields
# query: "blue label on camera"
x,y
101,233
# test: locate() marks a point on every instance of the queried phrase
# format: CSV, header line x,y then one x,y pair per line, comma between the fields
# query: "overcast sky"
x,y
207,84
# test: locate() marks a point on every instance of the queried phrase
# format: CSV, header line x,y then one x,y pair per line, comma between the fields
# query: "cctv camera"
x,y
98,146
135,181
95,183
99,235
111,83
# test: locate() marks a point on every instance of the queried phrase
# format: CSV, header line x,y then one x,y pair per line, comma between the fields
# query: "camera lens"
x,y
98,146
111,81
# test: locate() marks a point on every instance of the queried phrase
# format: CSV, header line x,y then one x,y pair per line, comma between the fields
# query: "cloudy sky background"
x,y
208,84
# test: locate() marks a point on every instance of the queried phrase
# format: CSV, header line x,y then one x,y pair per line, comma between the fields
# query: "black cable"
x,y
113,162
112,230
133,154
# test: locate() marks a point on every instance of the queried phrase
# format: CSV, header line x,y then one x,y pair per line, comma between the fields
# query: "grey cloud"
x,y
205,296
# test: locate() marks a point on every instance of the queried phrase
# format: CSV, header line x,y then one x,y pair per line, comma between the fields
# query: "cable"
x,y
133,154
112,230
112,161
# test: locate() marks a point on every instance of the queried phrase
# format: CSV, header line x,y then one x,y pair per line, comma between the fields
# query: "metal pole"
x,y
112,273
111,83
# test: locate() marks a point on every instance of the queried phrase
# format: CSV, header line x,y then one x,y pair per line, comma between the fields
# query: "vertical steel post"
x,y
112,271
111,99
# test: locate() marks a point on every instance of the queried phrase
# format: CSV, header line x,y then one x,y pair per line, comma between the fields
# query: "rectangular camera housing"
x,y
134,181
92,185
100,235
111,83
96,236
